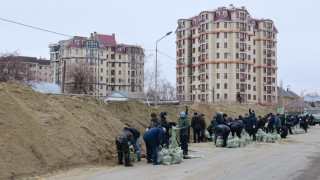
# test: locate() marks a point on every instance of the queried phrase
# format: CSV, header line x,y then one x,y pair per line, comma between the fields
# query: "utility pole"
x,y
64,75
212,94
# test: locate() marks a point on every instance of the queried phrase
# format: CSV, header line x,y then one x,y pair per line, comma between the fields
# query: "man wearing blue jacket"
x,y
223,132
153,138
250,124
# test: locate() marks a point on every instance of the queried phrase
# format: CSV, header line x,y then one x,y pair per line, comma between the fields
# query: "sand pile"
x,y
40,133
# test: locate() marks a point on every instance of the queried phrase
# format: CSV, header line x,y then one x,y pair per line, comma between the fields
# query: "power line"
x,y
163,54
34,27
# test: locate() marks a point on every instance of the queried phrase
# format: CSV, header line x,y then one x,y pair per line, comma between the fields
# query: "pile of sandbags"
x,y
297,130
170,156
235,141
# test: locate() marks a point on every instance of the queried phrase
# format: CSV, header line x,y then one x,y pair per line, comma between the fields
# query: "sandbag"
x,y
230,143
165,152
247,138
242,142
167,160
258,137
206,134
236,141
132,155
278,137
192,156
269,137
264,138
219,142
176,158
160,156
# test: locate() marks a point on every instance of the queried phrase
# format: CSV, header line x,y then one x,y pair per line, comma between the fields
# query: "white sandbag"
x,y
219,142
160,156
230,143
236,141
176,158
167,160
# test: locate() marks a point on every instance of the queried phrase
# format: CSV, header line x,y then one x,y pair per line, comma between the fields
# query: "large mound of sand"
x,y
42,132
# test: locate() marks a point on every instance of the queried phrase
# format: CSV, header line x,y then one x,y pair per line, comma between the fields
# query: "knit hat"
x,y
182,113
195,114
153,115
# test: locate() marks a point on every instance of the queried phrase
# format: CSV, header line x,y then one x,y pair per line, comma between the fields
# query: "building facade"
x,y
113,66
225,51
39,69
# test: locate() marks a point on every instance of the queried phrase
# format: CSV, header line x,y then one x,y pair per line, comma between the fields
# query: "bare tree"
x,y
12,68
166,90
79,78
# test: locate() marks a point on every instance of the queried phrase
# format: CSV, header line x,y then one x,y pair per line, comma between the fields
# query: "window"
x,y
225,45
218,96
101,53
237,35
101,45
225,55
218,55
225,35
119,56
119,48
76,42
40,67
225,25
218,25
218,35
225,75
119,72
218,86
225,65
76,51
113,64
218,45
218,65
112,72
218,75
119,64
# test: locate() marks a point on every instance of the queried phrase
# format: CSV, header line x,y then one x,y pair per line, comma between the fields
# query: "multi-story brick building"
x,y
226,51
114,66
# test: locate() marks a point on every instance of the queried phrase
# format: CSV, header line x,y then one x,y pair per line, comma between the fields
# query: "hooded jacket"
x,y
184,125
278,122
163,120
134,131
222,129
196,122
250,123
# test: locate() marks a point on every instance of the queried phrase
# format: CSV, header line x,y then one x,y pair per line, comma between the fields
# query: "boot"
x,y
120,160
127,164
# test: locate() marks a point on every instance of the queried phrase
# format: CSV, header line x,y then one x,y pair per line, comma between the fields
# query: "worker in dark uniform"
x,y
154,121
284,132
203,127
237,128
136,135
196,126
239,97
184,126
223,132
152,139
164,123
122,141
303,123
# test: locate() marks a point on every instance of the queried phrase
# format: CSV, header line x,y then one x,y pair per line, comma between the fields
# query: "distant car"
x,y
315,113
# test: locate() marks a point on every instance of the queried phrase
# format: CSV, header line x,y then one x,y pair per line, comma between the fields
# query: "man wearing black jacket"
x,y
196,126
223,132
164,123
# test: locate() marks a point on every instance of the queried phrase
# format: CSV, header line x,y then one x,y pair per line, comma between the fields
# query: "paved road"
x,y
296,157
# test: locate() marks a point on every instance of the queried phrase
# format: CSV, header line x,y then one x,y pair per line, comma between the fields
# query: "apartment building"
x,y
39,69
114,66
225,51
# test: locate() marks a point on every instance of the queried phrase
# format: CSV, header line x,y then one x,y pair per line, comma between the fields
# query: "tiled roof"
x,y
288,94
33,60
297,104
107,40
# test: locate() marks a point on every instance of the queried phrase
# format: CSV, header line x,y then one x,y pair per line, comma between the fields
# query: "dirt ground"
x,y
296,157
43,133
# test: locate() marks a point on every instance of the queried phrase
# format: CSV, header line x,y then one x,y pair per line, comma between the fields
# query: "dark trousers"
x,y
152,148
252,132
237,131
184,144
225,138
123,149
196,133
203,135
284,135
304,126
278,130
289,128
188,134
270,129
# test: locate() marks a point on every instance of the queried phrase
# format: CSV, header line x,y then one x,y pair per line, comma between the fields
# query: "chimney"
x,y
91,35
95,35
242,7
231,6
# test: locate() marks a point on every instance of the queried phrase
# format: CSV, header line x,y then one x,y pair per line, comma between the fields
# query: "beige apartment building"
x,y
114,66
225,51
39,69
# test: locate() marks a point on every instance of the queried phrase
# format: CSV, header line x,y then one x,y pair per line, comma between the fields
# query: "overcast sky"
x,y
143,22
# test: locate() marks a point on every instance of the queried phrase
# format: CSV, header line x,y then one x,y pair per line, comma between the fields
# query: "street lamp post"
x,y
156,81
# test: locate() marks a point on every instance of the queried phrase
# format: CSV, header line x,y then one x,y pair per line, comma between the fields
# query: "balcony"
x,y
203,80
180,82
242,80
243,29
269,64
269,55
269,73
181,63
242,70
242,90
180,73
269,92
133,83
191,73
241,49
269,82
242,39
